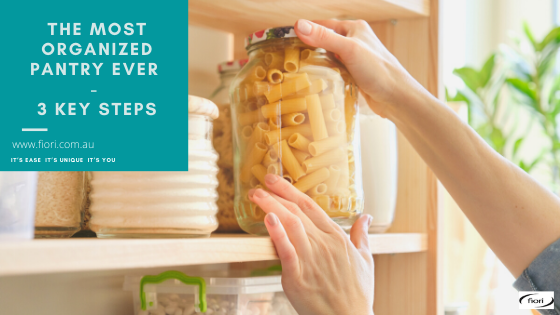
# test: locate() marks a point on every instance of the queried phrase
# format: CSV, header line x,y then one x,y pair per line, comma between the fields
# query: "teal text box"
x,y
136,142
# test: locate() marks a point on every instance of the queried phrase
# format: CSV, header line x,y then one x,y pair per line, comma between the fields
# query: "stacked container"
x,y
162,204
174,293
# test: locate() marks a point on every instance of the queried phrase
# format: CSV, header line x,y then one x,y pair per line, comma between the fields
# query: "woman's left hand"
x,y
323,270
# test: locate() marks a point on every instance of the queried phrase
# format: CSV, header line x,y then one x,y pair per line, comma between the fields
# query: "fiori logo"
x,y
530,300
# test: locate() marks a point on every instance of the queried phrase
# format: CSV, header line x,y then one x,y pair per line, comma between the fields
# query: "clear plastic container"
x,y
223,144
162,204
379,168
295,114
174,293
60,204
18,191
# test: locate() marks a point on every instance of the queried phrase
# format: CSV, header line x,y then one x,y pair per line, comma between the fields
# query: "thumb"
x,y
317,35
359,233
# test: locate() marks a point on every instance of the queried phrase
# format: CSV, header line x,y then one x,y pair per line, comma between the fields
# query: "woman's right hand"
x,y
385,84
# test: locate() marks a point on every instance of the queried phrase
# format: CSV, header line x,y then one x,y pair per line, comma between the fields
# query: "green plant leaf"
x,y
554,91
535,162
469,76
497,138
524,87
487,70
547,61
552,37
530,36
459,97
528,167
517,145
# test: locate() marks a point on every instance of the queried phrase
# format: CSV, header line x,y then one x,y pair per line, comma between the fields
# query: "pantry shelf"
x,y
247,16
78,255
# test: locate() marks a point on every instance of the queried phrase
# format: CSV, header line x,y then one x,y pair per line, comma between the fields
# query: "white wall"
x,y
490,23
512,13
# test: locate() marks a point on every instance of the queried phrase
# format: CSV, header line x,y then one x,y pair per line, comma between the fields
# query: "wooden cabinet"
x,y
88,272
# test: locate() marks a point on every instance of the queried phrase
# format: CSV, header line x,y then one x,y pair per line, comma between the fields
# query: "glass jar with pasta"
x,y
294,112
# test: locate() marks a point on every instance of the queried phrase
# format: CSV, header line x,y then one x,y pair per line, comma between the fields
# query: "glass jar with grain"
x,y
60,203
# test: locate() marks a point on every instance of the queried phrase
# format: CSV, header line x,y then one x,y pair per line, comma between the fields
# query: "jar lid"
x,y
235,65
202,106
270,33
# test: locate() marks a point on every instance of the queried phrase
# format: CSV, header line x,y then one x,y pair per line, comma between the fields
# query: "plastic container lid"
x,y
225,286
235,65
202,106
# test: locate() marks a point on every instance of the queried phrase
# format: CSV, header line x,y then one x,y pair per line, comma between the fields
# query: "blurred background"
x,y
500,73
499,70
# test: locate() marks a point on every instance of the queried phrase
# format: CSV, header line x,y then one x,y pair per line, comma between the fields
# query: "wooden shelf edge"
x,y
245,16
81,255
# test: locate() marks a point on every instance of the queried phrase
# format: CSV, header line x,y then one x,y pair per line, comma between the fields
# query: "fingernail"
x,y
272,219
271,178
369,220
304,27
261,193
251,193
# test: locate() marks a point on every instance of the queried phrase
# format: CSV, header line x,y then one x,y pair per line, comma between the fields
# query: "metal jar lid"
x,y
270,33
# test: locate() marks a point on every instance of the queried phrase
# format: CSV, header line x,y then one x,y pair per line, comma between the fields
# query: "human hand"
x,y
383,81
323,270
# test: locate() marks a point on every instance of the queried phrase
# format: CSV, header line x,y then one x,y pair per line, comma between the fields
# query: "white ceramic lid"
x,y
202,106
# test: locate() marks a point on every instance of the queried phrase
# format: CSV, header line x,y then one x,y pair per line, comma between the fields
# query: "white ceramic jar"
x,y
379,167
162,204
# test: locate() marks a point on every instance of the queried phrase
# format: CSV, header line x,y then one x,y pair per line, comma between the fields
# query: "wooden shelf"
x,y
248,16
72,255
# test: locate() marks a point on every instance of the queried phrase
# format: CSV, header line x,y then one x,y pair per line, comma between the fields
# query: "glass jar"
x,y
294,112
223,144
162,204
60,204
379,163
18,192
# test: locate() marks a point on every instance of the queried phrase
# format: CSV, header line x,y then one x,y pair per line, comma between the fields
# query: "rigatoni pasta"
x,y
290,162
291,59
316,118
277,135
299,142
274,60
319,189
249,118
275,76
259,171
296,105
297,122
315,178
273,168
293,119
300,155
255,156
327,144
270,157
